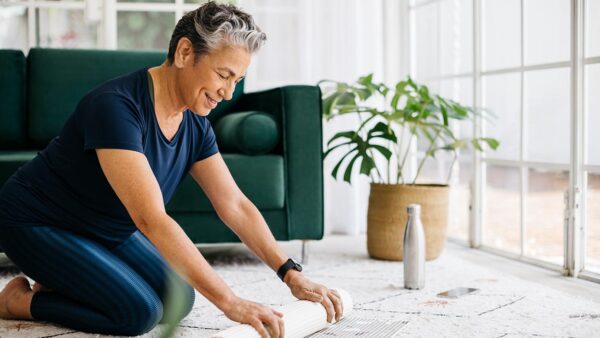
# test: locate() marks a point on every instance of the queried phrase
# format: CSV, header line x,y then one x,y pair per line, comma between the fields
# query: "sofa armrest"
x,y
298,109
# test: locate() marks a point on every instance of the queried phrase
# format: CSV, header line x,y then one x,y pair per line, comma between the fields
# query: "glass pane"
x,y
501,36
592,111
418,2
592,31
547,29
63,28
144,30
460,198
547,110
456,36
435,170
544,219
592,260
13,27
459,90
501,97
502,224
425,42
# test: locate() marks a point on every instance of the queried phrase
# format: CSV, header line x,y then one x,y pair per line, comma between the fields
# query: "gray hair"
x,y
212,25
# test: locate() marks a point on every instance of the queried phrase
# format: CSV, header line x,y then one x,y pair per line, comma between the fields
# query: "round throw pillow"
x,y
251,133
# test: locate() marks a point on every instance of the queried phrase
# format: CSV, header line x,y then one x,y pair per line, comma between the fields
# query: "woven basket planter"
x,y
386,218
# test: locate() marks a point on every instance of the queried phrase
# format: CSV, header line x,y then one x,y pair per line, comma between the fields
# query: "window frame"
x,y
574,238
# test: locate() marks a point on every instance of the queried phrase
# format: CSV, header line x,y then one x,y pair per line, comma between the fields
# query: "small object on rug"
x,y
301,318
457,292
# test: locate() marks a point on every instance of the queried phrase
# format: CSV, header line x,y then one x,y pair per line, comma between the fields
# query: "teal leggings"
x,y
95,289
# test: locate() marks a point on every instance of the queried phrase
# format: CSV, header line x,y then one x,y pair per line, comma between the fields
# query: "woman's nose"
x,y
227,93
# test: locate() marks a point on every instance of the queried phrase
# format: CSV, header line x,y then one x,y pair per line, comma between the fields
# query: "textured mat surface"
x,y
505,306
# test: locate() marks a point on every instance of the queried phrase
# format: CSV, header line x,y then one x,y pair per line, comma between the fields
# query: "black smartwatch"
x,y
289,264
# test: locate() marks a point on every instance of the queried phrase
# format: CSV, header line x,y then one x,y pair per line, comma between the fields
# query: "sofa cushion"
x,y
260,178
59,78
12,99
251,133
10,161
206,227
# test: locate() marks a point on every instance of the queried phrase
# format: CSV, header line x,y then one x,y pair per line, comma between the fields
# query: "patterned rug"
x,y
504,306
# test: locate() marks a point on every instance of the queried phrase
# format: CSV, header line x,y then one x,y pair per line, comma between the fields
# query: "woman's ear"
x,y
184,51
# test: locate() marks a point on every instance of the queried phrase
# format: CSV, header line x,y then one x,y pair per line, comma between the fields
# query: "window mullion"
x,y
478,179
575,234
524,173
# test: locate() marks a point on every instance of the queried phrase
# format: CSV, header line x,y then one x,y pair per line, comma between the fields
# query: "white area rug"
x,y
505,306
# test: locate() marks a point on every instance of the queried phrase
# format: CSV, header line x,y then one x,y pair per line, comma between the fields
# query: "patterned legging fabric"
x,y
93,288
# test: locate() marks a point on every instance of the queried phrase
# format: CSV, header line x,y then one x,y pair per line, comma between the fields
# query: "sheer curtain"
x,y
341,40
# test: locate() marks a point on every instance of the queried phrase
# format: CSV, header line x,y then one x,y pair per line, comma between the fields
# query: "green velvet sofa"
x,y
39,92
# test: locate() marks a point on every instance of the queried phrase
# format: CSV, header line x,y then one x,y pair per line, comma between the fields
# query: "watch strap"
x,y
289,264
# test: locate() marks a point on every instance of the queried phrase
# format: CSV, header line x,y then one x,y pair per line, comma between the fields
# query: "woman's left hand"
x,y
304,289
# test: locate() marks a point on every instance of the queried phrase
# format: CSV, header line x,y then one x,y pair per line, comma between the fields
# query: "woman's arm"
x,y
131,177
243,218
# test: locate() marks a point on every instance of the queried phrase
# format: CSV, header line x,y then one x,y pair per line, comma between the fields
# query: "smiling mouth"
x,y
211,100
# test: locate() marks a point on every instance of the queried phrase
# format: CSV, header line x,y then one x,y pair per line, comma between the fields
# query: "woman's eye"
x,y
222,77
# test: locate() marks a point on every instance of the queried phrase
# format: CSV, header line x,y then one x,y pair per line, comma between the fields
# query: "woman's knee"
x,y
144,313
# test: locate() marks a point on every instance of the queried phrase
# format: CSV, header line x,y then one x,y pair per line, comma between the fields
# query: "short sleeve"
x,y
112,121
208,141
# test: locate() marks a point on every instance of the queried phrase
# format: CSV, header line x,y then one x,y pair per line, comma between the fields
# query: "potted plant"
x,y
410,112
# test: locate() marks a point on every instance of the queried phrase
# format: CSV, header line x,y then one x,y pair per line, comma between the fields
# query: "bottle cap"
x,y
413,208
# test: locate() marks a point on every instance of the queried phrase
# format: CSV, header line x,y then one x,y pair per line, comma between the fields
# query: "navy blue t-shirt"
x,y
64,185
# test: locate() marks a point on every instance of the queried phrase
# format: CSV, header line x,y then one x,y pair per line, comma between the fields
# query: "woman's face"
x,y
212,77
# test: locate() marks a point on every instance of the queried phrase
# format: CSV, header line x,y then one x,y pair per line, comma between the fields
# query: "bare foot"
x,y
15,299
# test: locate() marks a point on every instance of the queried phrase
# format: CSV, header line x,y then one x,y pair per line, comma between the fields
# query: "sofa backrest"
x,y
12,99
58,78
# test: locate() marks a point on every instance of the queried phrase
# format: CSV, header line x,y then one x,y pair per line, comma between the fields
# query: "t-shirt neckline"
x,y
150,98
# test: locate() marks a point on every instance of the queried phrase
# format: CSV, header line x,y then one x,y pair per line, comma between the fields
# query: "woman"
x,y
86,219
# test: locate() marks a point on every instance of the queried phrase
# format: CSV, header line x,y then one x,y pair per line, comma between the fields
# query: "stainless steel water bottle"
x,y
414,249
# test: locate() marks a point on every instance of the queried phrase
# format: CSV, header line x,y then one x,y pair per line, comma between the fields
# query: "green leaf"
x,y
335,147
383,150
363,93
337,166
492,142
367,164
345,99
381,130
394,102
444,113
348,172
328,105
476,144
366,80
424,93
345,134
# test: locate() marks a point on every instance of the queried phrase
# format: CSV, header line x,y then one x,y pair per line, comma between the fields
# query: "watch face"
x,y
298,266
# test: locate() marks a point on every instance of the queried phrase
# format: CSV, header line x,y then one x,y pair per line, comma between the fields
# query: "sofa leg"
x,y
304,252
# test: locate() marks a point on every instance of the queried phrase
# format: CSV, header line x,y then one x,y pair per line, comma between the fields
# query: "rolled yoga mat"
x,y
301,318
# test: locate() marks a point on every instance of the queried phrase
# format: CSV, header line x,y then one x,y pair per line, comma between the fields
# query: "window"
x,y
111,24
521,62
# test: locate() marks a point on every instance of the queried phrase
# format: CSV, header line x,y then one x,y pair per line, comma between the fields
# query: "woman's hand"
x,y
256,315
304,289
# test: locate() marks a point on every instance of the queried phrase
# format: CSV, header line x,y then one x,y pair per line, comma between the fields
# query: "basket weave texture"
x,y
386,218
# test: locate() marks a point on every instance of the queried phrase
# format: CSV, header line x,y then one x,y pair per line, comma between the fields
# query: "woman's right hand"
x,y
266,321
